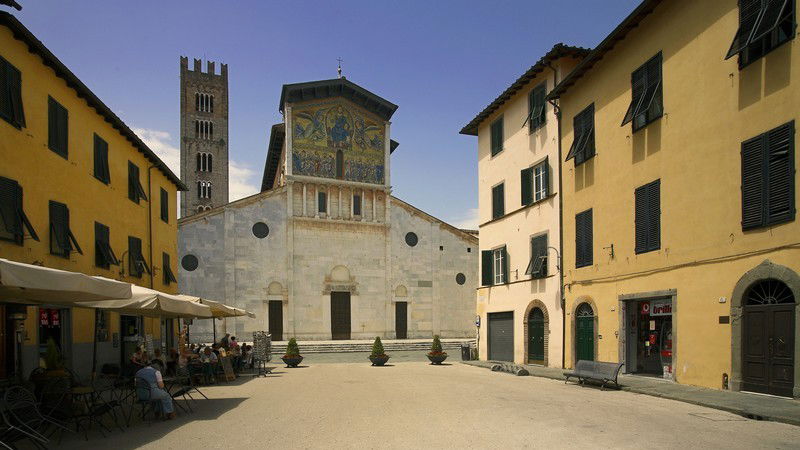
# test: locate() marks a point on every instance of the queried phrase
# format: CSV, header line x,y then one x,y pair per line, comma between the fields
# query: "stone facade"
x,y
204,136
332,230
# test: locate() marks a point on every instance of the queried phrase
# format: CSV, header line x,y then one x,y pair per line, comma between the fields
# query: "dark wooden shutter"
x,y
133,179
496,132
498,198
11,87
57,126
101,159
59,229
539,250
526,184
546,176
101,239
6,110
583,239
486,268
780,174
753,152
164,205
749,13
52,125
642,219
654,215
134,256
9,205
638,84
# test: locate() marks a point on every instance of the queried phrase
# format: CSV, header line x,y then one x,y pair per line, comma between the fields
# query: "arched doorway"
x,y
584,333
768,332
536,336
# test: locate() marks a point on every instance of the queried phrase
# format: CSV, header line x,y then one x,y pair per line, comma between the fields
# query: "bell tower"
x,y
204,136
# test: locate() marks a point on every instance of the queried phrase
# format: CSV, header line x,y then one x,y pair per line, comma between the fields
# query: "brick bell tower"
x,y
204,136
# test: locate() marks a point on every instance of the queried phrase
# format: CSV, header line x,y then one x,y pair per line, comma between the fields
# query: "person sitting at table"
x,y
247,356
137,361
209,361
152,376
236,356
158,358
225,341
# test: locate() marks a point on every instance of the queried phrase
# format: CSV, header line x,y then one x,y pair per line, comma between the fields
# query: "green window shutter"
x,y
11,108
164,205
6,110
59,229
638,86
641,218
504,252
52,125
583,239
496,131
780,174
539,256
749,16
169,276
539,116
498,201
102,256
753,156
526,184
10,200
546,176
101,160
654,215
486,268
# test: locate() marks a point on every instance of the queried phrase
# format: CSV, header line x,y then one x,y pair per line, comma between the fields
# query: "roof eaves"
x,y
36,46
338,87
618,34
276,137
558,51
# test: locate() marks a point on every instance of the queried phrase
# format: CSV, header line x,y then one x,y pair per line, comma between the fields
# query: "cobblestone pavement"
x,y
415,405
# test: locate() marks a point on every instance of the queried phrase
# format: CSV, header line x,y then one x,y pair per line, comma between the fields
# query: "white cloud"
x,y
242,179
241,182
467,220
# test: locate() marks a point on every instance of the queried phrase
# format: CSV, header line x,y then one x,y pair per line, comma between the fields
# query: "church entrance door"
x,y
276,320
401,319
340,315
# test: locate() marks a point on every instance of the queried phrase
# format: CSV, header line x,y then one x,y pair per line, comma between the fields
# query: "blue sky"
x,y
440,61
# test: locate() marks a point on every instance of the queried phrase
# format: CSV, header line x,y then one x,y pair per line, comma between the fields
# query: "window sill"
x,y
102,180
12,123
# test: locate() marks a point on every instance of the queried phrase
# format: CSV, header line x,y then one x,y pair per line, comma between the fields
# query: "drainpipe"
x,y
557,112
150,221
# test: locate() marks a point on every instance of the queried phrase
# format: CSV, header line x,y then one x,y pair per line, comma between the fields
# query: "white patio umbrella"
x,y
152,303
31,284
218,309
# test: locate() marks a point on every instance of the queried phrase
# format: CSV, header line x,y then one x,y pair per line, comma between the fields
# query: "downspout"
x,y
557,112
150,222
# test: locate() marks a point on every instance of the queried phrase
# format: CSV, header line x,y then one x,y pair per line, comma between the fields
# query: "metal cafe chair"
x,y
142,399
24,413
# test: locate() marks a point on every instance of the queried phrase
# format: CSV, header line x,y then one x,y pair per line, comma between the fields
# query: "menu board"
x,y
262,346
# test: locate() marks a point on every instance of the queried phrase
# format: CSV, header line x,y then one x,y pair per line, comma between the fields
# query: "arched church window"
x,y
199,162
209,163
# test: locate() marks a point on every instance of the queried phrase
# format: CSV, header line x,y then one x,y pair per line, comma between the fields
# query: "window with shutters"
x,y
647,102
540,181
496,134
13,221
101,171
498,201
135,189
136,262
583,239
57,127
356,205
648,217
487,275
537,107
764,25
169,277
11,109
500,265
537,267
164,205
62,241
768,178
104,255
582,147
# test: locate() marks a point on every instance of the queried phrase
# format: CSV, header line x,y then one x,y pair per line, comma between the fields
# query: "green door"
x,y
584,333
536,336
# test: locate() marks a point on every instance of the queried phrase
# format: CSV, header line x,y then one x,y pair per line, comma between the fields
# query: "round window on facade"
x,y
411,239
260,230
189,262
461,279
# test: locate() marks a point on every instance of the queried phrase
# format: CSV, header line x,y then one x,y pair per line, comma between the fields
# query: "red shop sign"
x,y
645,308
54,319
44,317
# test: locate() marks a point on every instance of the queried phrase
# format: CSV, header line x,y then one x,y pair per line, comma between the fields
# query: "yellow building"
x,y
79,191
681,243
519,301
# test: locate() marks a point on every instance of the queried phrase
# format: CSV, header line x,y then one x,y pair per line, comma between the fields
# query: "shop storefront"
x,y
649,339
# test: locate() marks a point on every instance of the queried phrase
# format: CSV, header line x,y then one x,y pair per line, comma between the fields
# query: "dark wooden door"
x,y
401,320
584,338
536,336
501,336
768,349
340,315
276,319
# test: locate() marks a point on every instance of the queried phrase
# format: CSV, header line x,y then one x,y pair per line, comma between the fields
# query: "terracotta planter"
x,y
292,361
437,358
379,360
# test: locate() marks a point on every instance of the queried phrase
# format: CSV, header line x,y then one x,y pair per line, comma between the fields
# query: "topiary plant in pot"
x,y
292,357
378,357
437,355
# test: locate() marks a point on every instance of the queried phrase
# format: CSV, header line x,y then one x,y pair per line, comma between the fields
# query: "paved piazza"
x,y
416,405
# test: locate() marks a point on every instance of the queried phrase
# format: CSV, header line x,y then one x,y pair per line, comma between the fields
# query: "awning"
x,y
30,284
217,308
152,303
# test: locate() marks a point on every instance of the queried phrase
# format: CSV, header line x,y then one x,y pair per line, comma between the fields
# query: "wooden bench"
x,y
603,372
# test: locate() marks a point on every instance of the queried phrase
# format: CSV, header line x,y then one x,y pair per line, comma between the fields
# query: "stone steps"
x,y
366,346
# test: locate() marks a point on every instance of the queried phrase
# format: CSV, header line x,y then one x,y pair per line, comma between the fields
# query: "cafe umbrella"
x,y
220,310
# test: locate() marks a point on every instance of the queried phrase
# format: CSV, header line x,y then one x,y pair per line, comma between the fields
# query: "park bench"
x,y
603,372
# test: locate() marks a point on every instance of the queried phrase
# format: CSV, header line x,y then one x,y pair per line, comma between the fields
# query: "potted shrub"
x,y
378,357
292,357
436,355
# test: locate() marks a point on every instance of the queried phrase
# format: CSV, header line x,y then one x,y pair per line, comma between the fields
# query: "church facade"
x,y
325,251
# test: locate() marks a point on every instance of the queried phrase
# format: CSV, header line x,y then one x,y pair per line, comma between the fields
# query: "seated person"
x,y
209,361
153,378
158,358
172,362
137,361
